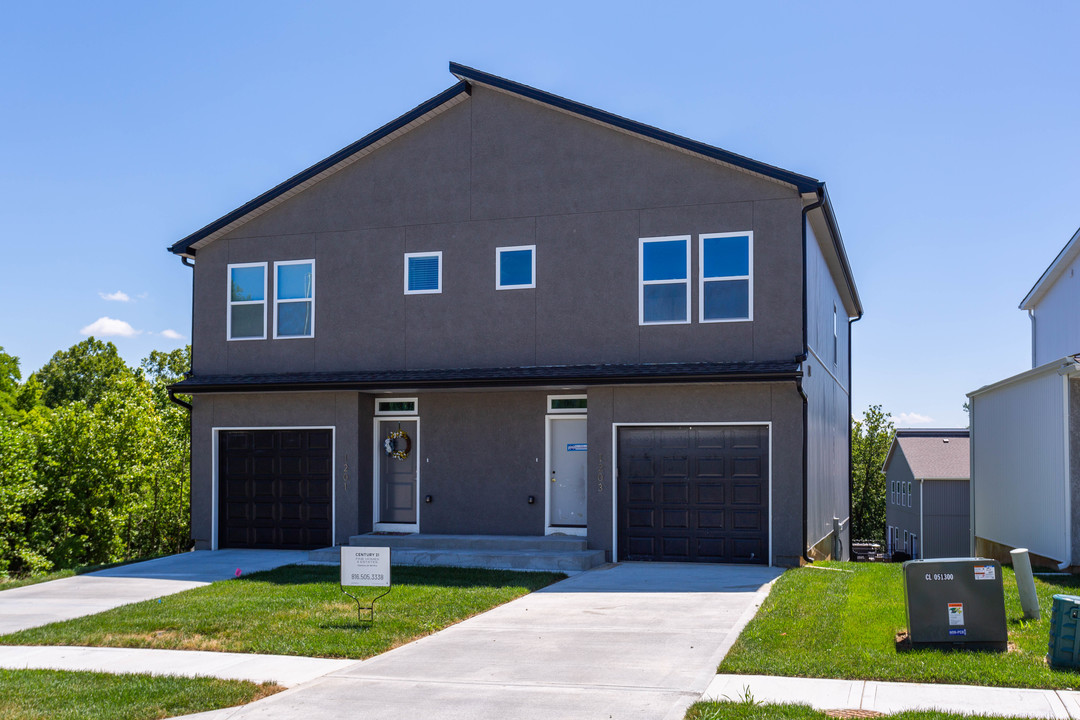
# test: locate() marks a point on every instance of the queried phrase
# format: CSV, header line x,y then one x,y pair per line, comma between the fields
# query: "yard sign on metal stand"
x,y
365,567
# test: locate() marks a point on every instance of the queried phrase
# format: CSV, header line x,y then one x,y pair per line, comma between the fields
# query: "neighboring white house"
x,y
1025,432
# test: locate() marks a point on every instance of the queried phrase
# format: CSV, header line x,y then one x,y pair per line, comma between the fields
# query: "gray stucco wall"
x,y
497,171
269,410
946,520
900,515
778,403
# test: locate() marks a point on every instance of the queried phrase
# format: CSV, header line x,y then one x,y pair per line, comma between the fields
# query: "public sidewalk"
x,y
893,697
285,670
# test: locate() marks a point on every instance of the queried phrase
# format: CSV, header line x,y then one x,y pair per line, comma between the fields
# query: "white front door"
x,y
396,475
567,461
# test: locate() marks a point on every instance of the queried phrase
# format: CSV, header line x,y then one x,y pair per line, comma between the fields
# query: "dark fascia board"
x,y
802,182
932,432
536,377
841,253
182,247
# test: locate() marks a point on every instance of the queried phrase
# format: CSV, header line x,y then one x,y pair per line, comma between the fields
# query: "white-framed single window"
x,y
396,406
726,284
515,267
567,403
835,338
294,299
246,319
909,494
423,273
663,280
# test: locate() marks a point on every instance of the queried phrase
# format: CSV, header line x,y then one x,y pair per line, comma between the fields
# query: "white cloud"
x,y
909,419
118,296
108,327
171,334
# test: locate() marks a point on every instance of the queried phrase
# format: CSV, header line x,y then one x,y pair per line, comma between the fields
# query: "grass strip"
x,y
295,610
844,625
760,711
62,695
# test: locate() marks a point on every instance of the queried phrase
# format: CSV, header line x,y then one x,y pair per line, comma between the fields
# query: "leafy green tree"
x,y
871,438
19,496
9,382
82,372
168,367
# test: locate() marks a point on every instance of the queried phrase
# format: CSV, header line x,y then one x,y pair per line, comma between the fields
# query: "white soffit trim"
x,y
1067,365
1050,276
346,162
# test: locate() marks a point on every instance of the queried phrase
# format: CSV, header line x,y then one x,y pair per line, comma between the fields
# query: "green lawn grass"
x,y
760,711
294,610
822,623
58,695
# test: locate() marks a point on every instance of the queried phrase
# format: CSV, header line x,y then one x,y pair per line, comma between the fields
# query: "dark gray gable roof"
x,y
534,376
469,75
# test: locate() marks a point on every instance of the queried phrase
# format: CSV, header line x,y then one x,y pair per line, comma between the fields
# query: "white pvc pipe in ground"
x,y
1025,583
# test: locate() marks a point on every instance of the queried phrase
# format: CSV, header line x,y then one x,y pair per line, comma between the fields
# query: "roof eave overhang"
x,y
1068,365
1064,258
849,291
464,384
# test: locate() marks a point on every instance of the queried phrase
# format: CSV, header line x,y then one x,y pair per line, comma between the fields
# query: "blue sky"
x,y
947,134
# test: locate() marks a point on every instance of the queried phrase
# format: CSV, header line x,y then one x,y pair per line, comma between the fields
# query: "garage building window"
x,y
726,286
664,287
247,302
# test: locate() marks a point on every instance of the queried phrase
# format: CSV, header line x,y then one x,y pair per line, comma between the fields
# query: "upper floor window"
x,y
515,267
247,302
423,273
294,299
726,290
664,287
835,338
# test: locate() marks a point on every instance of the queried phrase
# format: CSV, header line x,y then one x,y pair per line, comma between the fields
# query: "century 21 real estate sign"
x,y
365,566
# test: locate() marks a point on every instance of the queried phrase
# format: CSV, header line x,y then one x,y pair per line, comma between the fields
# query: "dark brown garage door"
x,y
274,489
694,494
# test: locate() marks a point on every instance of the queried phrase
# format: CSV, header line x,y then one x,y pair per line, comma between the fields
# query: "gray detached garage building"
x,y
506,313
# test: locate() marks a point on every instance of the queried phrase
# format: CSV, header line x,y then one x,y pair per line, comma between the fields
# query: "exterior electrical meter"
x,y
955,602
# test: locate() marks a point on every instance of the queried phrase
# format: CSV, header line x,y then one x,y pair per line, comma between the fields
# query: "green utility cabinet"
x,y
1064,635
955,603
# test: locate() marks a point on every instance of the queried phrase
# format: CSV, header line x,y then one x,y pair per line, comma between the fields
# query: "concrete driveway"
x,y
72,597
634,640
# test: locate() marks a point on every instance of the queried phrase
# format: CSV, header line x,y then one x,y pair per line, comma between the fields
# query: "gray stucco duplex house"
x,y
508,313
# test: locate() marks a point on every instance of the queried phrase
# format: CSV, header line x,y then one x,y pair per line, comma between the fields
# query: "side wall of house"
x,y
901,511
826,383
1056,332
946,516
1019,470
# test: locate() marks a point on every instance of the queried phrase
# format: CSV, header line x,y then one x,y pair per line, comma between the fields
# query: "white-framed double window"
x,y
294,299
246,319
726,277
515,267
663,280
423,273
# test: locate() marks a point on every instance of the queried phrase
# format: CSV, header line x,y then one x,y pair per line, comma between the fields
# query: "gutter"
x,y
798,382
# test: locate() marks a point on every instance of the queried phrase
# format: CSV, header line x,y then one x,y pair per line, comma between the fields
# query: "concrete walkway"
x,y
34,605
893,697
621,641
286,670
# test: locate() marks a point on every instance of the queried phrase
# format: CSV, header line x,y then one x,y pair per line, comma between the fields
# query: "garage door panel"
x,y
275,488
710,493
676,501
677,492
676,518
744,494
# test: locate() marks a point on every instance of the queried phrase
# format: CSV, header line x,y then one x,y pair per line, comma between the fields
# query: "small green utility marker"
x,y
365,567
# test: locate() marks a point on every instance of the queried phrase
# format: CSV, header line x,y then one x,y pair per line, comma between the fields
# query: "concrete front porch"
x,y
558,553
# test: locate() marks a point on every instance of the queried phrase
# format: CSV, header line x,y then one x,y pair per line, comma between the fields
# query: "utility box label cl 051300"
x,y
955,602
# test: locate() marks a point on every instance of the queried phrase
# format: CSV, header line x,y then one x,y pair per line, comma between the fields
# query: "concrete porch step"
x,y
497,552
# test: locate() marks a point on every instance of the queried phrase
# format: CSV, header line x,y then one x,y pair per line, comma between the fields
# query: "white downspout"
x,y
922,511
1031,314
1067,489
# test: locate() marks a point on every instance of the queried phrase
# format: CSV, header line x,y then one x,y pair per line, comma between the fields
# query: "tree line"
x,y
94,459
